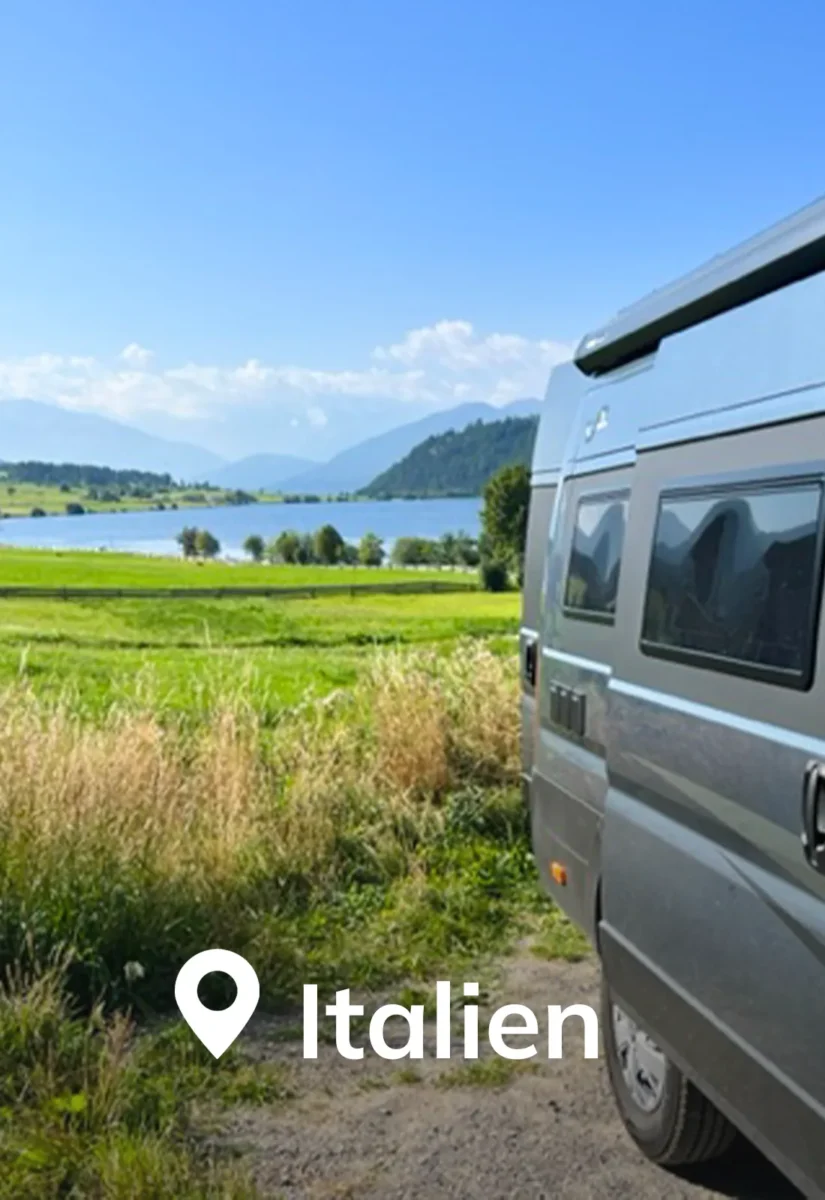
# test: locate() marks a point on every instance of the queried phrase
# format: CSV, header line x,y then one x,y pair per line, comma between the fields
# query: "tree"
x,y
254,547
413,551
349,554
284,548
206,544
187,540
446,550
371,550
74,509
466,550
329,544
306,550
504,517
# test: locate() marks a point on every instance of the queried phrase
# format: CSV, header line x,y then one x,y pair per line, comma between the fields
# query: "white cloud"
x,y
434,366
455,346
136,355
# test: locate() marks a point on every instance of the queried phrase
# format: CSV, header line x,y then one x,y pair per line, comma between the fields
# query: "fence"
x,y
310,591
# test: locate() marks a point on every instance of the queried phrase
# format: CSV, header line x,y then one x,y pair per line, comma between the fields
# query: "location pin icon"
x,y
217,1029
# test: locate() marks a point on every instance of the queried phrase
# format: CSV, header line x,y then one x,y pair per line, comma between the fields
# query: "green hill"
x,y
457,463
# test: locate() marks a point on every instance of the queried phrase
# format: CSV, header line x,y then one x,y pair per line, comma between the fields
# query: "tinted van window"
x,y
541,506
734,580
595,557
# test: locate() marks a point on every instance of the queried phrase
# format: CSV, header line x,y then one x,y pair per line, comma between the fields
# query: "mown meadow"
x,y
327,787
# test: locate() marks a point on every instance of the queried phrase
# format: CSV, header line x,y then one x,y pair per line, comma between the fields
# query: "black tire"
x,y
683,1128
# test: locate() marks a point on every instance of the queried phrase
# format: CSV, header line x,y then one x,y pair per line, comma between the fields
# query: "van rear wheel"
x,y
666,1115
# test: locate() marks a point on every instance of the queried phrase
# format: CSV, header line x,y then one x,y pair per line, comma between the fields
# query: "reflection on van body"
x,y
674,692
593,575
732,576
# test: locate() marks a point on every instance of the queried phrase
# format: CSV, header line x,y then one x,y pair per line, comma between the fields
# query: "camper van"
x,y
673,698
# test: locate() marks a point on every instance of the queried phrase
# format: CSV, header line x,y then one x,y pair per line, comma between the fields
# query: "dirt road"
x,y
365,1131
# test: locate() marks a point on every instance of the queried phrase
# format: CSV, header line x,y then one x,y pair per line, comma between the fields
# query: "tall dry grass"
x,y
137,839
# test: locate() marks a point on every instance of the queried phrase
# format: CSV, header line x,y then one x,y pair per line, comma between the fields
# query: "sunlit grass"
x,y
94,568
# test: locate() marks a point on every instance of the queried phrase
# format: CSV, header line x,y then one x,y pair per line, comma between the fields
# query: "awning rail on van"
x,y
791,250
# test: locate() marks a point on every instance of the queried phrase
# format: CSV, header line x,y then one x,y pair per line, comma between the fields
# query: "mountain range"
x,y
355,468
32,429
260,472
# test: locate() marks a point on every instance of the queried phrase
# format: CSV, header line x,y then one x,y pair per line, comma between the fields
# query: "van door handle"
x,y
813,815
531,658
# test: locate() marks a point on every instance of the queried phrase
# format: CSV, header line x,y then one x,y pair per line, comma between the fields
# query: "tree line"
x,y
327,547
82,475
498,552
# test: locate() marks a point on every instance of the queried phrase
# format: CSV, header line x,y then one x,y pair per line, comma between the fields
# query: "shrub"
x,y
139,839
493,576
88,1109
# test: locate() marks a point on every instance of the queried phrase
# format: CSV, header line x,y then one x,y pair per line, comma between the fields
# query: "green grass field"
x,y
188,653
329,787
18,499
94,568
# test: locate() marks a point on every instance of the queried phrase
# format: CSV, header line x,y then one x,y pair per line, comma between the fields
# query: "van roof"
x,y
791,250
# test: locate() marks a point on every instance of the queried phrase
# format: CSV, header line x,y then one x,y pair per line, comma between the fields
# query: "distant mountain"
x,y
30,429
458,463
260,471
520,408
354,469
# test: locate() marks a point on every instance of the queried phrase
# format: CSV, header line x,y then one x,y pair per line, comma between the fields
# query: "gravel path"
x,y
359,1132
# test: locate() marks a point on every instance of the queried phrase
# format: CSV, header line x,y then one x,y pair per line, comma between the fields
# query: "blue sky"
x,y
254,197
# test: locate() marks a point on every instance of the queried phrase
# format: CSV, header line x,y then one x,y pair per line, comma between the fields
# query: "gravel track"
x,y
358,1132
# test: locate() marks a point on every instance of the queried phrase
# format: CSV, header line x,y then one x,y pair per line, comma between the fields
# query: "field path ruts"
x,y
357,1132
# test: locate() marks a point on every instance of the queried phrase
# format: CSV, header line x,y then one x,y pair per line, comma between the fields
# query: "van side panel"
x,y
713,928
541,508
559,414
569,776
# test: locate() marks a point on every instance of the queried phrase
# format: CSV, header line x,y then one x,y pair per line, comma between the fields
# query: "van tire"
x,y
684,1127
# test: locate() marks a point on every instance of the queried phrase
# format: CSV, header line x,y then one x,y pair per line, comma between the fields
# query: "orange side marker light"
x,y
559,873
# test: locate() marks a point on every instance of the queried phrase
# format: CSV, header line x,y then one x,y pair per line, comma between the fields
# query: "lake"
x,y
156,532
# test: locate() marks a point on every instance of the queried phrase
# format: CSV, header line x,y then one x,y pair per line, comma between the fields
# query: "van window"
x,y
734,580
541,506
595,557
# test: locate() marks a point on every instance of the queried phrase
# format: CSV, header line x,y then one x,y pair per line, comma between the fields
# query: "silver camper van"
x,y
673,698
